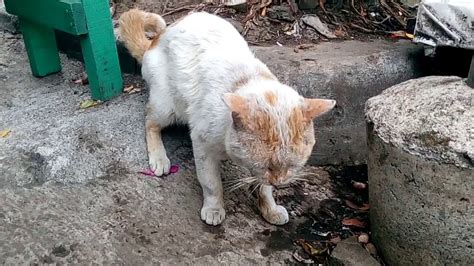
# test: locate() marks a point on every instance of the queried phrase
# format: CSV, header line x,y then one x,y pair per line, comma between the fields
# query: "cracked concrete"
x,y
70,191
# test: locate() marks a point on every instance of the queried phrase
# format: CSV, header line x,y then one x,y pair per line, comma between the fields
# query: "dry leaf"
x,y
5,133
363,238
82,81
300,258
365,207
352,205
353,222
401,34
88,103
310,249
358,185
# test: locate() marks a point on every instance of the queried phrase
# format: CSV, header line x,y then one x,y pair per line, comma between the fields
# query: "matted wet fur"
x,y
201,72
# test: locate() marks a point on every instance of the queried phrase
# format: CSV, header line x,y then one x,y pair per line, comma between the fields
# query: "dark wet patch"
x,y
60,251
35,164
320,223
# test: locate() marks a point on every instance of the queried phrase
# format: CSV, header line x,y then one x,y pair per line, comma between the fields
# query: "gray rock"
x,y
349,252
314,22
281,12
349,72
421,172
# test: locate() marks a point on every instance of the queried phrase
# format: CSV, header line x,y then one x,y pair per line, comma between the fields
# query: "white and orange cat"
x,y
201,72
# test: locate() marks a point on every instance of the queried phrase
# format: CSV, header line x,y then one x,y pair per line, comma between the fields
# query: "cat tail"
x,y
133,25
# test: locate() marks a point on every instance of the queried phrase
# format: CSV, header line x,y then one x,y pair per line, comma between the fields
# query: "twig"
x,y
321,4
361,28
179,9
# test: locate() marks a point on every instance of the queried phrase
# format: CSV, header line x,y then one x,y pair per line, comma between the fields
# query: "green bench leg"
x,y
100,51
40,44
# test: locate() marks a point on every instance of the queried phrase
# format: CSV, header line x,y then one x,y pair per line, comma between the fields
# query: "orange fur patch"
x,y
154,42
265,126
297,126
271,98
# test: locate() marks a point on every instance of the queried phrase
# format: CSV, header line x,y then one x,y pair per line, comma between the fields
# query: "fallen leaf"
x,y
359,185
82,81
365,207
89,103
353,222
310,249
352,205
401,34
300,258
5,133
363,238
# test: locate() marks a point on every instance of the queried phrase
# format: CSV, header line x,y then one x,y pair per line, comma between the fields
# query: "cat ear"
x,y
239,108
316,107
237,104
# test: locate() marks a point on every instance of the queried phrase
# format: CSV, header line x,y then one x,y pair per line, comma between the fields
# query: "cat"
x,y
201,72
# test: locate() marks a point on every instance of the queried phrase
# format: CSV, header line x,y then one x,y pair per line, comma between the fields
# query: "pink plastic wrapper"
x,y
149,172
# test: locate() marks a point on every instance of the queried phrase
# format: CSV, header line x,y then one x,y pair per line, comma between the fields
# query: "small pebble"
x,y
371,248
359,185
363,238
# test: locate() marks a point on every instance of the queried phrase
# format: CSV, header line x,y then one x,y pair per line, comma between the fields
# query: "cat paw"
x,y
212,216
276,216
160,165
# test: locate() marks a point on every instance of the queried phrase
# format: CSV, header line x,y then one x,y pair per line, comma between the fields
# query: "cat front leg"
x,y
207,168
271,212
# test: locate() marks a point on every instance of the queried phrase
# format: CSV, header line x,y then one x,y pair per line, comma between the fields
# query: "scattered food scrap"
x,y
5,133
148,172
131,89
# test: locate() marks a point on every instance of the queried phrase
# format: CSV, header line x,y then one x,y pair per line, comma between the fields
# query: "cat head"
x,y
272,131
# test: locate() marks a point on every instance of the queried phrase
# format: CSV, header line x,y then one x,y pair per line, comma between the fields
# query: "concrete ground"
x,y
70,191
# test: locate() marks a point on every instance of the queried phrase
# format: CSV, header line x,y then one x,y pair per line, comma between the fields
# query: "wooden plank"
x,y
40,43
64,15
100,51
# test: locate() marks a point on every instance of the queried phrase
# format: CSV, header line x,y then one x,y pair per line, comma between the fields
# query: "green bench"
x,y
88,19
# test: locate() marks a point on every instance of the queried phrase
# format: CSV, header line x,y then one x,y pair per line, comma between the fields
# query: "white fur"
x,y
196,62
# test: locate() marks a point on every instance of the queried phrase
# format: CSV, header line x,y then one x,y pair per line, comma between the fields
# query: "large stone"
x,y
349,72
421,172
351,253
